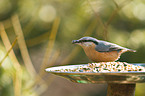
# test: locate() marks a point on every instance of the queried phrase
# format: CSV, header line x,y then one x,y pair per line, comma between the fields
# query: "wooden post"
x,y
121,90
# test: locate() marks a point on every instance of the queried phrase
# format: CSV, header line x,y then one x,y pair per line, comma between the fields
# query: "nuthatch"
x,y
101,51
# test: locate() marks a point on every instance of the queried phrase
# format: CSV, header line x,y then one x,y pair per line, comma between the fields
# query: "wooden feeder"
x,y
119,83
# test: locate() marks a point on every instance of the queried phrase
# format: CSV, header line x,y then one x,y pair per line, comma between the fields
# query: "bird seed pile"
x,y
105,67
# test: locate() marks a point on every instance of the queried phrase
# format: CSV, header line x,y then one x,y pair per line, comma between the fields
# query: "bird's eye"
x,y
80,41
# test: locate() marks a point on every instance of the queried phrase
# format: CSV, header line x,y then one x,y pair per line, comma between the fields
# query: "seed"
x,y
105,69
117,66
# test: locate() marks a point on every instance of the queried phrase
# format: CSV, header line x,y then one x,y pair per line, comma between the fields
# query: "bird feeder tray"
x,y
129,77
119,83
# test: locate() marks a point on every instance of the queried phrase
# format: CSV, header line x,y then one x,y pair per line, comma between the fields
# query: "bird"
x,y
101,51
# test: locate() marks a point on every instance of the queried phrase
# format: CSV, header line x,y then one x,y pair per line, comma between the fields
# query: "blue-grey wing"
x,y
107,47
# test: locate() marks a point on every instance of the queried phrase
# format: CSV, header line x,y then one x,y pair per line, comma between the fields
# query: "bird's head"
x,y
86,41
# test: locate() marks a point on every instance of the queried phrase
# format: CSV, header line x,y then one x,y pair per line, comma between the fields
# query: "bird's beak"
x,y
75,41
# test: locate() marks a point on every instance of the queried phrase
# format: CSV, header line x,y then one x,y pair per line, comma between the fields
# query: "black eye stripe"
x,y
86,41
89,41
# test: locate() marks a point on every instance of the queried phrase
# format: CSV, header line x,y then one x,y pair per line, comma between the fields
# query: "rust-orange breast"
x,y
101,56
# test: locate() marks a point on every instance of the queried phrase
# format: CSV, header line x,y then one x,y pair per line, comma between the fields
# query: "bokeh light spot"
x,y
137,39
47,13
128,10
139,11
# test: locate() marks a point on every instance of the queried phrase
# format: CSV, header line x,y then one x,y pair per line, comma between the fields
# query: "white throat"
x,y
86,44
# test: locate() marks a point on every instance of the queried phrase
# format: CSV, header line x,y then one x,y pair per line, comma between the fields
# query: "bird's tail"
x,y
131,50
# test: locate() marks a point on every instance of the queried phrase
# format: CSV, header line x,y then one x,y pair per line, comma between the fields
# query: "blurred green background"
x,y
43,31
